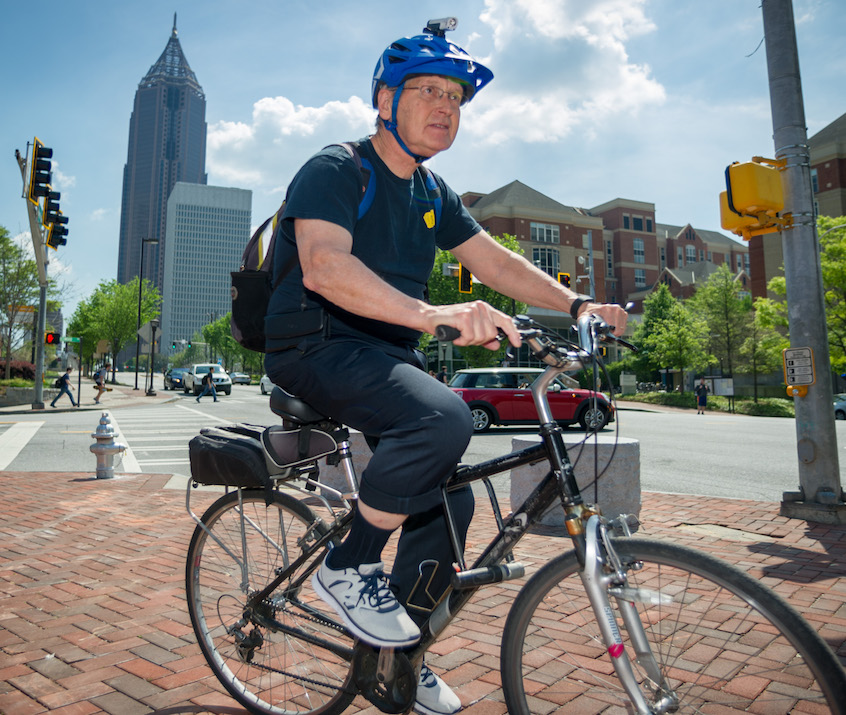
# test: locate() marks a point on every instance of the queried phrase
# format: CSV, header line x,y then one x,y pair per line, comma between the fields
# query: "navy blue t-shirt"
x,y
396,238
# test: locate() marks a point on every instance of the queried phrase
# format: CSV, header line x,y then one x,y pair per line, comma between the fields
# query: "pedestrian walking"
x,y
64,385
208,386
100,381
701,391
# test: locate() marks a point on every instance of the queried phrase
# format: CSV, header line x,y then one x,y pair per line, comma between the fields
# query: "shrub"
x,y
19,368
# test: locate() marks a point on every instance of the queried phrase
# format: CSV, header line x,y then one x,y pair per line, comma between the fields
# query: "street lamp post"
x,y
144,241
154,324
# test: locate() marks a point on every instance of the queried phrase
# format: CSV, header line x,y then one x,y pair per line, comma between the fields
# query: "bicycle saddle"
x,y
293,408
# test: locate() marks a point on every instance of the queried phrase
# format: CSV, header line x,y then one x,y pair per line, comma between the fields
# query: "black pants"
x,y
422,428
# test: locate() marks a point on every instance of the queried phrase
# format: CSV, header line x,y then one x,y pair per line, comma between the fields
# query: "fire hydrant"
x,y
106,448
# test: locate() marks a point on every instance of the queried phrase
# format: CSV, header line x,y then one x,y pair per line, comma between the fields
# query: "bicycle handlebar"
x,y
592,331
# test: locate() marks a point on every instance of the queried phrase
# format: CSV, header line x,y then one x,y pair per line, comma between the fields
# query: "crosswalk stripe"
x,y
14,439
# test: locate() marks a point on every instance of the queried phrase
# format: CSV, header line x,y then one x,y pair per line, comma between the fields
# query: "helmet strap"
x,y
391,126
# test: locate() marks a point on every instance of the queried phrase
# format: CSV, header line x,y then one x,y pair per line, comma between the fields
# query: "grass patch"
x,y
764,407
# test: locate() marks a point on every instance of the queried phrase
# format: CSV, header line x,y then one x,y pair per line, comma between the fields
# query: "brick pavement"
x,y
93,617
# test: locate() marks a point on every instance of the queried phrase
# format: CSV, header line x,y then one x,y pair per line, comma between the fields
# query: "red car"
x,y
501,396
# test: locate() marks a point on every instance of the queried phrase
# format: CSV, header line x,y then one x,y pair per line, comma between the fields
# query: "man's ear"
x,y
384,102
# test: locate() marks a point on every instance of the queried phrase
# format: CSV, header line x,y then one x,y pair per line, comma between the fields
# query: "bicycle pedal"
x,y
486,575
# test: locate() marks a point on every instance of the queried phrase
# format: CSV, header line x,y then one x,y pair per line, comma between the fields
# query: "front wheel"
x,y
286,655
482,419
720,641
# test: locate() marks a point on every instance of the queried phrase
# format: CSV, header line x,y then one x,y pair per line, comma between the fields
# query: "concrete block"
x,y
619,485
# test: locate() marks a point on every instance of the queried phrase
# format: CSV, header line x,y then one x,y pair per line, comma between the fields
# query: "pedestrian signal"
x,y
52,338
465,279
564,279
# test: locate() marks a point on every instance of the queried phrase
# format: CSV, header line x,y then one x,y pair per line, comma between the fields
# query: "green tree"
x,y
678,341
218,335
657,307
443,290
719,304
761,351
111,313
82,325
19,293
833,265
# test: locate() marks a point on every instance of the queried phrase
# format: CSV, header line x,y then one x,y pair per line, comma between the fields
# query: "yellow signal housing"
x,y
754,197
755,188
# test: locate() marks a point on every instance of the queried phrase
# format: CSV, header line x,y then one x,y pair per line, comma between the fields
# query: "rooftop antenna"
x,y
174,24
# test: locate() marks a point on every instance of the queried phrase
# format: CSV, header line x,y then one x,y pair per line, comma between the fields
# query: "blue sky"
x,y
640,99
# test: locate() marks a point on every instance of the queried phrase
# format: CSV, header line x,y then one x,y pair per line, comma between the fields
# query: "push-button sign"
x,y
799,366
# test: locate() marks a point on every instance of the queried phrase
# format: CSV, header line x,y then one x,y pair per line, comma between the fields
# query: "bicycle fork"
x,y
599,582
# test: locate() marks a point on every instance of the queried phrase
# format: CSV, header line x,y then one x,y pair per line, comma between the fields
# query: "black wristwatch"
x,y
576,304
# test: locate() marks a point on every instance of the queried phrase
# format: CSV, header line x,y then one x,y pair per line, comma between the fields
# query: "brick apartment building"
x,y
618,242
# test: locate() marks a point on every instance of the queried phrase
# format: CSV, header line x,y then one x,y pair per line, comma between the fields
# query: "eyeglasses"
x,y
436,94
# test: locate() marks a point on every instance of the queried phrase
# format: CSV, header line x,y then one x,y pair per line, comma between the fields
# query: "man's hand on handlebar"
x,y
612,314
477,323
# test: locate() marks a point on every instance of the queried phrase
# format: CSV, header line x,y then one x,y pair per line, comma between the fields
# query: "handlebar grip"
x,y
446,333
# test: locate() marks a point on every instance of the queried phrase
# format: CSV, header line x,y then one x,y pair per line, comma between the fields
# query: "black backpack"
x,y
252,284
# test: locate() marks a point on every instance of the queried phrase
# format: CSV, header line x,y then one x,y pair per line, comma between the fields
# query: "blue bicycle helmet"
x,y
430,53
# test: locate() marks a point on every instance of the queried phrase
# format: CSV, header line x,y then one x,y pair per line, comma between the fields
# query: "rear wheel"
x,y
286,655
720,641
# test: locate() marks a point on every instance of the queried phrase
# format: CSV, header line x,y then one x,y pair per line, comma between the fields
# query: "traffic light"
x,y
189,343
173,345
465,279
40,171
52,338
564,279
57,232
51,207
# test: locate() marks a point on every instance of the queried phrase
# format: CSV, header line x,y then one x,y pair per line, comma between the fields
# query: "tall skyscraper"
x,y
207,229
167,144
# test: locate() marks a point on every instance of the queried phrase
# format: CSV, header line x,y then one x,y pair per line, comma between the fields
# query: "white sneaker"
x,y
434,696
366,604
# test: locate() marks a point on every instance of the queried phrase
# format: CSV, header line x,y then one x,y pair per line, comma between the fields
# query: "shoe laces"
x,y
376,588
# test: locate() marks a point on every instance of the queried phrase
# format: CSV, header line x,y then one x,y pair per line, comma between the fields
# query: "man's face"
x,y
427,123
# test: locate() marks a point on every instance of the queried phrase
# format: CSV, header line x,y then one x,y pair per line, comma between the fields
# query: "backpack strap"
x,y
365,168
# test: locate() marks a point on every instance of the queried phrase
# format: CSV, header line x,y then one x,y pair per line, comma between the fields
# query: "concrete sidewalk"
x,y
118,396
93,616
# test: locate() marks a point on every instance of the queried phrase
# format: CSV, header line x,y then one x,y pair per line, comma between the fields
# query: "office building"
x,y
167,144
206,232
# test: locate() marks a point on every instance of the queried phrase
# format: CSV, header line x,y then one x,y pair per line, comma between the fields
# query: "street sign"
x,y
71,340
799,366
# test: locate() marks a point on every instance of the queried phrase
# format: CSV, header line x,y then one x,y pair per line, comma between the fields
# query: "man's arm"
x,y
512,275
330,269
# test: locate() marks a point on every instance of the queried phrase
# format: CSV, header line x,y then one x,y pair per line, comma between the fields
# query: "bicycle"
x,y
618,623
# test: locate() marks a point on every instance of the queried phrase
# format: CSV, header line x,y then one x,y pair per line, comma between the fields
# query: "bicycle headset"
x,y
430,53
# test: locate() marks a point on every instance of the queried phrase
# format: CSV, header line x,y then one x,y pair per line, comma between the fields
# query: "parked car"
x,y
193,379
239,378
174,377
840,406
266,385
501,396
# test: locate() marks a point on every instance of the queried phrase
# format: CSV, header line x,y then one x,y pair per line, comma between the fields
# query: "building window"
x,y
625,221
639,256
663,257
609,258
746,262
547,260
649,225
815,181
640,278
690,254
739,264
701,254
681,257
637,223
544,233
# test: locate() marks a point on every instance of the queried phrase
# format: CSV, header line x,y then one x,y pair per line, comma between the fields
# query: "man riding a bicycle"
x,y
352,309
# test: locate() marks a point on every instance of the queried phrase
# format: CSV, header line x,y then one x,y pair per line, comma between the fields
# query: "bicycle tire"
x,y
269,672
770,660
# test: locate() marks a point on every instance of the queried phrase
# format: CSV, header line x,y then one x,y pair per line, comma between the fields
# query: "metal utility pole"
x,y
820,496
41,263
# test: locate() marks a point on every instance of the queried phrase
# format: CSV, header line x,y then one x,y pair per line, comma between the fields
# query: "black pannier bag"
x,y
230,456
